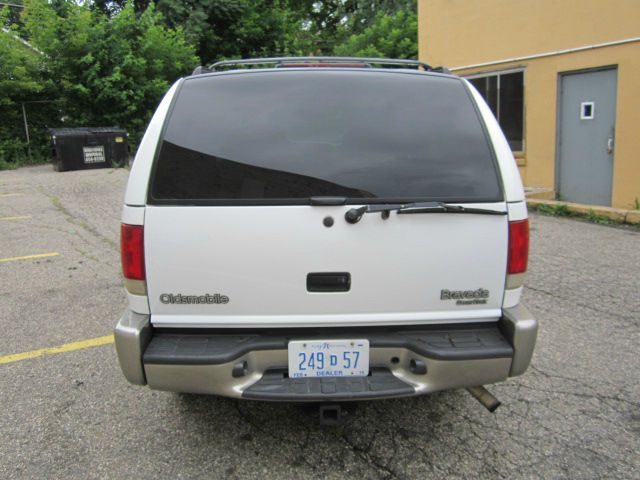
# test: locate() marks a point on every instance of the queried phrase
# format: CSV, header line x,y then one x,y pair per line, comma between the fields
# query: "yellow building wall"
x,y
458,33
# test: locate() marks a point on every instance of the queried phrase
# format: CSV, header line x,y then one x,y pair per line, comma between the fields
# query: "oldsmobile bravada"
x,y
324,229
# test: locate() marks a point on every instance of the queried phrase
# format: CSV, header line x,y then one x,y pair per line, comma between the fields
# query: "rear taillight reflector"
x,y
518,247
132,254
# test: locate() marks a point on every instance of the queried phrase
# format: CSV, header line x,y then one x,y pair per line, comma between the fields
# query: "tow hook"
x,y
484,397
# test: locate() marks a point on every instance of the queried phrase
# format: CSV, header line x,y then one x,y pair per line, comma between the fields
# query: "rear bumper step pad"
x,y
467,342
275,385
204,361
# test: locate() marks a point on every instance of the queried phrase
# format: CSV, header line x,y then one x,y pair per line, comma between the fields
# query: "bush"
x,y
83,68
391,36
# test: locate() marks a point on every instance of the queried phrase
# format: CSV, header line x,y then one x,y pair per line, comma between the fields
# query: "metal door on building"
x,y
586,136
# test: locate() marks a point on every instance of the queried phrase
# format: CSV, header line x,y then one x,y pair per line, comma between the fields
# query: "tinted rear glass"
x,y
282,137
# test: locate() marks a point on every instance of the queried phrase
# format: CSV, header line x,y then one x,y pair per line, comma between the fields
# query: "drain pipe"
x,y
547,54
484,397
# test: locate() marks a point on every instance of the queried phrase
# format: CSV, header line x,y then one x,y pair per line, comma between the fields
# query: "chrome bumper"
x,y
223,377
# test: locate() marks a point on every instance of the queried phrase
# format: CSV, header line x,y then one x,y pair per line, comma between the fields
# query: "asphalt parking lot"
x,y
71,414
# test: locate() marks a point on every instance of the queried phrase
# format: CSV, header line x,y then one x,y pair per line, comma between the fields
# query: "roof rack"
x,y
279,61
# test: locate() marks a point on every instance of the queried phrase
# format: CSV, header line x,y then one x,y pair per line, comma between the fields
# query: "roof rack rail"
x,y
441,69
199,70
367,61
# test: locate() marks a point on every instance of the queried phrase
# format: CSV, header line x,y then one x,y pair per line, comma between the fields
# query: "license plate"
x,y
328,358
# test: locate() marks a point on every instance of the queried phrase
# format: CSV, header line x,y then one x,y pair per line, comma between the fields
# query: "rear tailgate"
x,y
399,267
231,237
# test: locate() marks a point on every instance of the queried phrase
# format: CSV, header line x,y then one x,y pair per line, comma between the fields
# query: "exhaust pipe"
x,y
484,397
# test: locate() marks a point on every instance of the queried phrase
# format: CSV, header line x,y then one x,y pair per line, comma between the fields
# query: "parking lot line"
x,y
10,194
29,257
67,347
20,217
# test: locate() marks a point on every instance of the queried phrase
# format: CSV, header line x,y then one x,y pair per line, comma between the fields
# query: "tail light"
x,y
132,253
518,253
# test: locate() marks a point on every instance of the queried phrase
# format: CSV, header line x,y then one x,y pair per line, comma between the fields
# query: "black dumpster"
x,y
82,148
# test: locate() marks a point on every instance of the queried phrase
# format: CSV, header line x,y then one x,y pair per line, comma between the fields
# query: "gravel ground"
x,y
574,414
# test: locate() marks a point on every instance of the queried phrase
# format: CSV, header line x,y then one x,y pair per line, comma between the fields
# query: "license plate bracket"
x,y
328,358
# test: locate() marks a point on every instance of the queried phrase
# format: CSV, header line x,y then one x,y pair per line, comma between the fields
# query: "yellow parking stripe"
x,y
67,347
22,217
29,257
10,194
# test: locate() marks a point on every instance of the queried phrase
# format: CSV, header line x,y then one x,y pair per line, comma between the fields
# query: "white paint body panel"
x,y
517,211
260,257
136,193
511,181
133,215
512,297
138,303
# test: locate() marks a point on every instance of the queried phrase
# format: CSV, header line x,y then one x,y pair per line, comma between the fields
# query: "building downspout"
x,y
548,54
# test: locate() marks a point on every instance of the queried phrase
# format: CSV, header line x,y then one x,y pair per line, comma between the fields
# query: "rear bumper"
x,y
253,365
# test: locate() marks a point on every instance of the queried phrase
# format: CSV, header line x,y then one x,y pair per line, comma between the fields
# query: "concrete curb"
x,y
619,215
539,193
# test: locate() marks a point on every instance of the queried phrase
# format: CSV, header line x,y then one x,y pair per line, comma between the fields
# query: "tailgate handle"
x,y
329,282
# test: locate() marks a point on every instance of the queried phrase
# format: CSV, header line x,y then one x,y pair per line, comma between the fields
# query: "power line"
x,y
11,5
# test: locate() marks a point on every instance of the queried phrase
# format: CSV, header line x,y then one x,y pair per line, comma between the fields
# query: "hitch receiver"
x,y
332,414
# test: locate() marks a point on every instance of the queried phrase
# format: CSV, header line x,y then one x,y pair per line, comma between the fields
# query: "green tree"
x,y
391,36
332,22
249,28
363,14
22,82
108,62
107,70
241,28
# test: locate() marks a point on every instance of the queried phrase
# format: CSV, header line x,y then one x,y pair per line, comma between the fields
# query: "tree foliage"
x,y
108,71
240,28
391,36
108,62
21,81
248,28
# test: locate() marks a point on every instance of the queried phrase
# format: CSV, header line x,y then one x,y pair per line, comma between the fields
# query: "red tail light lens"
x,y
518,247
132,251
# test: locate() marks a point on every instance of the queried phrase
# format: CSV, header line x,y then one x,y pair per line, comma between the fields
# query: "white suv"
x,y
333,230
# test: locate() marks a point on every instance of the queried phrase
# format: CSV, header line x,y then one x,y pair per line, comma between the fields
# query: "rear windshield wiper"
x,y
355,214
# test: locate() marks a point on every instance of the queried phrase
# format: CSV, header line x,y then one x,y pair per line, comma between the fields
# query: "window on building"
x,y
504,93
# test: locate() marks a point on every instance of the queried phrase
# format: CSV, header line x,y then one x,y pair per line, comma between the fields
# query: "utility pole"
x,y
26,130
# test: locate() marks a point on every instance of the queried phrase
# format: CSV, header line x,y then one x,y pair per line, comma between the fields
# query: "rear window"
x,y
282,137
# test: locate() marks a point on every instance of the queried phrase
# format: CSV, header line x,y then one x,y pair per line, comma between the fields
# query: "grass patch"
x,y
558,210
562,210
36,160
595,218
4,165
